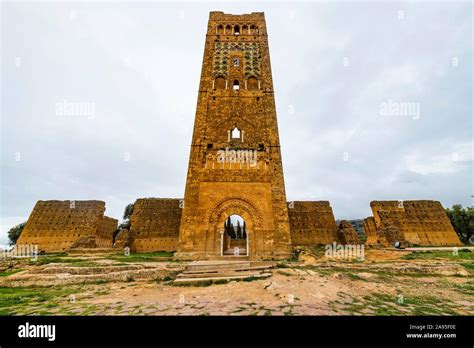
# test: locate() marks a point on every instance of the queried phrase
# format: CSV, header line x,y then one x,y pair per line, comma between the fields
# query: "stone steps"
x,y
214,265
217,278
247,273
200,271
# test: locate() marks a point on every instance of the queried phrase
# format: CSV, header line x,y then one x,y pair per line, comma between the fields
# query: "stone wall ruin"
x,y
422,222
154,224
56,225
312,223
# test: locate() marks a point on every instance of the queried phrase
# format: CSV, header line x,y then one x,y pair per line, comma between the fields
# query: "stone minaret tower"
x,y
235,165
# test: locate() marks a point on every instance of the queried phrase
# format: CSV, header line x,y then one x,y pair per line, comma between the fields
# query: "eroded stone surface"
x,y
55,225
421,222
312,223
154,225
347,233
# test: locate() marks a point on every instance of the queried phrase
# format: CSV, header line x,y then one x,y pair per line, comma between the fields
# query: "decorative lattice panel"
x,y
223,50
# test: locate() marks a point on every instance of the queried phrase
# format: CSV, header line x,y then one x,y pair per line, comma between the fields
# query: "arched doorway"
x,y
235,240
217,240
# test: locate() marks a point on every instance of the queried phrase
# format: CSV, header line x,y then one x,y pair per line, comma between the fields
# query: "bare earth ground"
x,y
387,282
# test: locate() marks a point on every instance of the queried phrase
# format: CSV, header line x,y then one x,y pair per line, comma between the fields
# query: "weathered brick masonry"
x,y
312,223
420,222
155,224
56,225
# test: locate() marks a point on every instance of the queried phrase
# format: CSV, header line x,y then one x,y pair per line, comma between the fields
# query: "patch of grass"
x,y
250,279
9,272
289,312
59,254
462,254
281,265
467,288
89,309
43,260
417,305
354,276
142,257
17,299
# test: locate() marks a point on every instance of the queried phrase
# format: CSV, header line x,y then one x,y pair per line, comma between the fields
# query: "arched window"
x,y
228,29
235,133
236,30
252,29
220,29
252,83
245,29
236,85
219,83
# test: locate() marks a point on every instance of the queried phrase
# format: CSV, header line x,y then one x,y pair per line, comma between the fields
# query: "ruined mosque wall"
x,y
105,232
312,223
154,224
55,225
421,222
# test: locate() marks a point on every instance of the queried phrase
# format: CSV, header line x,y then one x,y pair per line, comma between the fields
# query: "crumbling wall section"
x,y
421,222
55,225
347,233
154,224
312,223
105,232
370,231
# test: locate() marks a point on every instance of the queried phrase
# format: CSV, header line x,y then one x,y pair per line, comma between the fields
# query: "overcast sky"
x,y
335,67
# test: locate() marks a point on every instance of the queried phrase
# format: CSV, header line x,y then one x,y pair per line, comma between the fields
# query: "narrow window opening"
x,y
235,133
236,85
